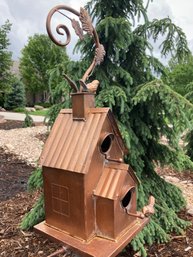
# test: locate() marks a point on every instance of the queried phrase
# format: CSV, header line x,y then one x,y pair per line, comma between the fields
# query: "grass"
x,y
37,112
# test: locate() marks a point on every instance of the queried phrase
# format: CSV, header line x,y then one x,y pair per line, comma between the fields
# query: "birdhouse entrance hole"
x,y
106,143
127,198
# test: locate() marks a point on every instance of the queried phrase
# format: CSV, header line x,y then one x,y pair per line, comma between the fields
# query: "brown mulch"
x,y
42,137
14,174
179,246
11,124
15,202
14,124
167,171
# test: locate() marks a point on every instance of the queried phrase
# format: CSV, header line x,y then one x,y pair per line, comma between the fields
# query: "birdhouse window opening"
x,y
106,143
126,200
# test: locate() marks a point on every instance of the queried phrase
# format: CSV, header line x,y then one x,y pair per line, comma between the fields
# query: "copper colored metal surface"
x,y
98,247
85,24
81,104
90,194
71,143
87,192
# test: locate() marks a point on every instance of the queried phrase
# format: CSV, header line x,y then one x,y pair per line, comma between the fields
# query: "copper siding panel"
x,y
79,147
58,135
90,143
60,149
49,141
54,140
69,111
99,187
112,190
67,145
71,144
90,131
117,132
109,183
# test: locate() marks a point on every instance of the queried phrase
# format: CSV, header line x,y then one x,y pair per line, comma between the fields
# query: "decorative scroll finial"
x,y
85,24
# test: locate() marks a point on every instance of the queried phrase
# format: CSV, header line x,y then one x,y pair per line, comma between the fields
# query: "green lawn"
x,y
39,112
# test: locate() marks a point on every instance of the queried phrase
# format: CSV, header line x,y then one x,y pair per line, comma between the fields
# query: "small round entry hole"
x,y
106,143
127,199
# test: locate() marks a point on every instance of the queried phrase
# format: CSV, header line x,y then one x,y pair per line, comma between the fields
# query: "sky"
x,y
28,17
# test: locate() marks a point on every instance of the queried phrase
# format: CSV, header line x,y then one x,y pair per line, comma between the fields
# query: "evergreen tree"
x,y
145,108
16,97
5,60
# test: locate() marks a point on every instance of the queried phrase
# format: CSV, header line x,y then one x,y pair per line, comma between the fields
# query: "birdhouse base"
x,y
97,247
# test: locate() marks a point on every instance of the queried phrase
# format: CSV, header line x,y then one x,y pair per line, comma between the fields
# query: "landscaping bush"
x,y
28,121
16,97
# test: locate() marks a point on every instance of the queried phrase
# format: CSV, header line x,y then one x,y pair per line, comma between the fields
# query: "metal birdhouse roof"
x,y
71,143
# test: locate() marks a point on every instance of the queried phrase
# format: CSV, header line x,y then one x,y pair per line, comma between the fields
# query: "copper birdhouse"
x,y
89,192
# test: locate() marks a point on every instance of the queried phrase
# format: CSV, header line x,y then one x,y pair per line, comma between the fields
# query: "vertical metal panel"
x,y
72,142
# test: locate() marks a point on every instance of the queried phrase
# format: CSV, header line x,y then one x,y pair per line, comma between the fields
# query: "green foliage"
x,y
16,96
180,77
38,57
56,78
39,112
189,145
175,42
37,214
60,95
45,105
28,121
5,58
19,109
35,181
53,112
189,91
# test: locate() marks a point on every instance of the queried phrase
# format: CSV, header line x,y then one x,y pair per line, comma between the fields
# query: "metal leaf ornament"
x,y
78,30
86,21
84,24
99,54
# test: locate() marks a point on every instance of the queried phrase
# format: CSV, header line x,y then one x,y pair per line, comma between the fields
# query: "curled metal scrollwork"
x,y
85,25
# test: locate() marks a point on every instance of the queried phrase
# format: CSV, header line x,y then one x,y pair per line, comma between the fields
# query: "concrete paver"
x,y
20,116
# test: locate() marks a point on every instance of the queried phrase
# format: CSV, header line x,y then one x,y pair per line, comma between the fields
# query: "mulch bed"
x,y
11,124
14,174
15,202
185,175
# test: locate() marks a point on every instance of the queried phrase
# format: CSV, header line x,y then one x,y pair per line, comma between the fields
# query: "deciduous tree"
x,y
38,57
180,77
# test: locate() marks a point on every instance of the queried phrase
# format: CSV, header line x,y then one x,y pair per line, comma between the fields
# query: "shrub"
x,y
16,97
28,121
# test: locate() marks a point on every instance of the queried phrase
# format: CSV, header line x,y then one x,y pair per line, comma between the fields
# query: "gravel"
x,y
23,143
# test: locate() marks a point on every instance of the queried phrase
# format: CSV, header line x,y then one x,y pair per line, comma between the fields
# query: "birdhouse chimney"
x,y
81,104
